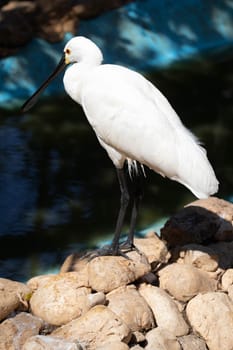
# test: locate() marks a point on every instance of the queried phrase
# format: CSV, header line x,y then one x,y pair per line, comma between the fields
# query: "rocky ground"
x,y
176,294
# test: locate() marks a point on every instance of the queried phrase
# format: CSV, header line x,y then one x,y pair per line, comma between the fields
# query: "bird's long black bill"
x,y
33,99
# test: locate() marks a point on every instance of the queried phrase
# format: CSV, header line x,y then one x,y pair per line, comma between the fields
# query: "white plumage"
x,y
134,122
132,119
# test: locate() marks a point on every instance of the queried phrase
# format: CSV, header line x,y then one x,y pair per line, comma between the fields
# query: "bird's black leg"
x,y
137,194
123,206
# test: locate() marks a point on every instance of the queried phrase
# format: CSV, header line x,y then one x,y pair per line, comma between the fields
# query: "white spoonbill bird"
x,y
135,124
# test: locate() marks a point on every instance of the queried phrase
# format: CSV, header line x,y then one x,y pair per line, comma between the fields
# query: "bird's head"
x,y
78,49
81,49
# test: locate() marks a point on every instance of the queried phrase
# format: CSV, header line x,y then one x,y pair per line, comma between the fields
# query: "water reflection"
x,y
58,189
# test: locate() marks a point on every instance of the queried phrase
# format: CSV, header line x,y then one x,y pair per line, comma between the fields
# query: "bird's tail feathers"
x,y
194,170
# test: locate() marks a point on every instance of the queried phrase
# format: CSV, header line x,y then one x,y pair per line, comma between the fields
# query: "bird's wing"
x,y
127,113
131,115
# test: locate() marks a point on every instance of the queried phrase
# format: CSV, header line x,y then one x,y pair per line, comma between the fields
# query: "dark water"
x,y
58,189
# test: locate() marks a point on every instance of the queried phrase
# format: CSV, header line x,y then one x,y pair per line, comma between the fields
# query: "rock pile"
x,y
173,295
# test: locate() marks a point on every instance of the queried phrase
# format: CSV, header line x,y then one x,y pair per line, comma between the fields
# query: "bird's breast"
x,y
74,79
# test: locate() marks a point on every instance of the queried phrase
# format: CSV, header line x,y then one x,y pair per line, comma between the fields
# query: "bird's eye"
x,y
68,51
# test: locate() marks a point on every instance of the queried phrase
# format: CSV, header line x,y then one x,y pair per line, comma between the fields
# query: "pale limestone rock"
x,y
61,299
165,310
138,337
113,345
180,305
35,282
42,342
96,299
192,342
185,281
96,327
138,258
106,273
39,281
136,347
199,256
161,339
227,279
13,296
153,247
216,275
211,316
128,304
230,292
73,262
77,263
15,330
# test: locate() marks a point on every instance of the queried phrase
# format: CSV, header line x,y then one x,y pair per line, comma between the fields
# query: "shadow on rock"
x,y
203,228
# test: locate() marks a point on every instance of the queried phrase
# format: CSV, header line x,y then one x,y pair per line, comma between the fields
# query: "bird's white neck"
x,y
75,75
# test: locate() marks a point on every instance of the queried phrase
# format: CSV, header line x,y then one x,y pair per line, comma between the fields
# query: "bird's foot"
x,y
112,250
104,251
129,246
